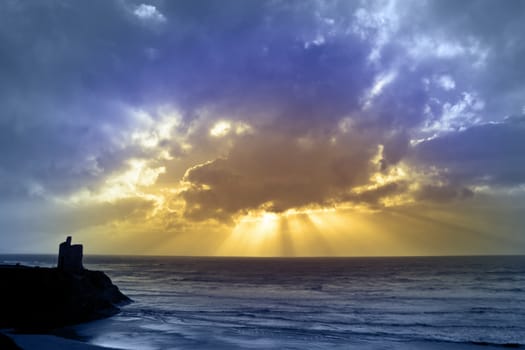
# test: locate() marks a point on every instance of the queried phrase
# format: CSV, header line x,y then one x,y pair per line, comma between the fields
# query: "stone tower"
x,y
70,256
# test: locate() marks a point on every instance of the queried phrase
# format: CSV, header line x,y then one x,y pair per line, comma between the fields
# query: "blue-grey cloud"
x,y
322,83
488,154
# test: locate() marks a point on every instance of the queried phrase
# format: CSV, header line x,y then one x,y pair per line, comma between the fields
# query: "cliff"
x,y
7,343
33,298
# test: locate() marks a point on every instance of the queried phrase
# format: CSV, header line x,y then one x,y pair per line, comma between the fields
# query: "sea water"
x,y
308,303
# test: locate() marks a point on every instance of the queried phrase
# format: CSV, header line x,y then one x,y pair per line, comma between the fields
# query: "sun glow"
x,y
312,232
292,233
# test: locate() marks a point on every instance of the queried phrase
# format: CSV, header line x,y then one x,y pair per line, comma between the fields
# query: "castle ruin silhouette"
x,y
70,256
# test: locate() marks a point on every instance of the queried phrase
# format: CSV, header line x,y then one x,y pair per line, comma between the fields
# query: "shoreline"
x,y
49,341
55,342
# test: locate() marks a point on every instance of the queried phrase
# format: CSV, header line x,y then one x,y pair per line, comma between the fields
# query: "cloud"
x,y
149,12
243,106
276,169
487,154
375,195
446,82
443,193
490,36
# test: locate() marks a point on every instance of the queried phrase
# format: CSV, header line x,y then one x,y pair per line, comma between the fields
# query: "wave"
x,y
320,303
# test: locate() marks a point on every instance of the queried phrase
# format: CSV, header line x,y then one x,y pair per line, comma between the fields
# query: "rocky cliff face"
x,y
7,343
33,298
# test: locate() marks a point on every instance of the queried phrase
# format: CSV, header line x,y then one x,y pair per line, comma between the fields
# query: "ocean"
x,y
307,303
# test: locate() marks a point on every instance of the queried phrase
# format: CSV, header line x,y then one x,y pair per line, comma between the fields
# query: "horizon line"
x,y
281,257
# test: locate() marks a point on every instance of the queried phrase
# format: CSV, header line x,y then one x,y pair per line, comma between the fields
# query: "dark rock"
x,y
7,343
39,299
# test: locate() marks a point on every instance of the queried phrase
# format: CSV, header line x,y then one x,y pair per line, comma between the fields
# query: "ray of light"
x,y
309,235
252,236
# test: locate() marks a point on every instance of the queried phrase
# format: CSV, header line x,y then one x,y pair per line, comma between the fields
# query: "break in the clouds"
x,y
202,110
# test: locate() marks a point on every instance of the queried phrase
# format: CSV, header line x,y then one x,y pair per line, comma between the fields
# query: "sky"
x,y
263,128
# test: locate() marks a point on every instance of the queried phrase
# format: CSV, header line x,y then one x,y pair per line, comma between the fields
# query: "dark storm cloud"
x,y
278,172
489,154
240,58
299,72
61,89
69,68
373,196
310,85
